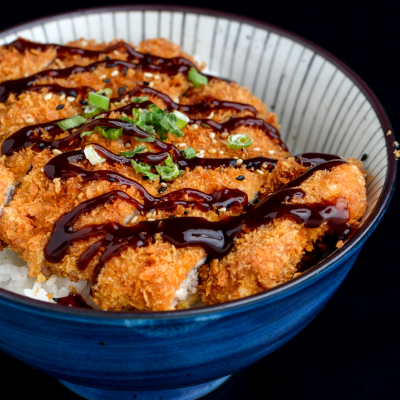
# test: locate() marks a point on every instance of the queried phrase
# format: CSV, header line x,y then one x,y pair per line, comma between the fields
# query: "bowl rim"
x,y
284,289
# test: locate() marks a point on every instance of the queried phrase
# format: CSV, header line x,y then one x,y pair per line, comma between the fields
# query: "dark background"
x,y
352,349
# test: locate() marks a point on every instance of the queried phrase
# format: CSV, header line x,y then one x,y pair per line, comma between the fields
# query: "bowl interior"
x,y
322,106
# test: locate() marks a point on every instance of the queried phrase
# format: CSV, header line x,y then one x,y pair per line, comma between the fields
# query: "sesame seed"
x,y
239,161
145,83
213,141
212,151
134,219
249,165
111,179
270,151
48,96
125,70
240,178
162,189
110,66
211,135
104,76
72,93
257,149
194,126
121,91
163,184
150,219
176,100
62,96
222,209
364,157
259,172
147,74
186,212
202,151
29,120
211,116
107,80
83,102
149,214
70,99
84,43
265,165
56,151
182,145
157,77
151,84
221,152
200,155
60,107
108,58
115,73
224,135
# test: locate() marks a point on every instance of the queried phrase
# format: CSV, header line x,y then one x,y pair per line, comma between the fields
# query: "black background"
x,y
352,349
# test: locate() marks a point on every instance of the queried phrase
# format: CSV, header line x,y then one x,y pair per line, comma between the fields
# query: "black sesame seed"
x,y
162,189
110,65
232,116
125,70
149,60
60,107
72,93
240,178
83,102
146,83
56,299
256,201
145,178
60,93
107,80
171,216
108,58
249,165
126,87
185,94
121,91
228,206
111,179
186,212
217,212
364,157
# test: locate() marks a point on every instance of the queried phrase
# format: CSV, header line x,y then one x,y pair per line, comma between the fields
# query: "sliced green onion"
x,y
91,111
71,123
111,133
87,133
92,155
126,119
148,139
206,125
98,100
239,141
139,99
105,92
181,119
132,153
168,122
170,171
196,78
189,153
144,169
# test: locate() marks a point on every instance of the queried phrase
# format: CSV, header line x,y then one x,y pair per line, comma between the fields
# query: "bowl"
x,y
322,105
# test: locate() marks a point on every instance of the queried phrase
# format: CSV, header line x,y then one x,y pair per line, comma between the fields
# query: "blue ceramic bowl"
x,y
184,354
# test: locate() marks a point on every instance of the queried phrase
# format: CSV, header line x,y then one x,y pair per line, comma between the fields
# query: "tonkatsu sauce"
x,y
72,300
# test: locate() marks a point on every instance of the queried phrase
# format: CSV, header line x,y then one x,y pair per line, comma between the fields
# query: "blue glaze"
x,y
170,351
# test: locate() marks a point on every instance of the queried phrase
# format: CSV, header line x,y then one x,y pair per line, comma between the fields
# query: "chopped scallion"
x,y
139,99
148,139
98,100
92,155
189,153
144,169
71,123
170,171
238,141
196,78
111,133
91,111
181,119
132,153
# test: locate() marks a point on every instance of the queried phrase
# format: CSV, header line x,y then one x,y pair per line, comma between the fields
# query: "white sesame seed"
x,y
182,145
148,74
150,219
221,152
213,141
151,84
236,158
202,151
239,161
134,219
157,77
127,145
62,97
211,116
42,169
211,135
176,100
163,184
56,151
84,43
222,209
149,214
104,76
265,165
271,151
70,99
48,96
224,135
194,126
259,172
116,52
200,155
29,120
115,73
256,149
212,151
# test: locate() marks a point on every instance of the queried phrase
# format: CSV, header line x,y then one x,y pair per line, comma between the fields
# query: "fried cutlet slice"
x,y
268,256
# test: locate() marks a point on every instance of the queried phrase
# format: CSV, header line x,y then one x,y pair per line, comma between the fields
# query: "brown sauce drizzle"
x,y
72,300
217,238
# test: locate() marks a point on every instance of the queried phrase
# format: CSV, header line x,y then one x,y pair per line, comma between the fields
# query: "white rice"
x,y
14,277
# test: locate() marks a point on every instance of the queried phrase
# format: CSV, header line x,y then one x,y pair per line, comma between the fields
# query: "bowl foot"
x,y
187,393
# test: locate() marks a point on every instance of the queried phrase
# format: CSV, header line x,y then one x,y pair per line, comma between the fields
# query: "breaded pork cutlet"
x,y
249,269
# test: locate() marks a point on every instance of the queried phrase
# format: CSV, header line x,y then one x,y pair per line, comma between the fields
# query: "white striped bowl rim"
x,y
322,105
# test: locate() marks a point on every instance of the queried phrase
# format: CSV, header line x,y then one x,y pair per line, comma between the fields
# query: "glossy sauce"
x,y
72,300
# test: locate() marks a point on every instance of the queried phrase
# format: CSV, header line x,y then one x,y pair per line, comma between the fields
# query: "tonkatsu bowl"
x,y
182,192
